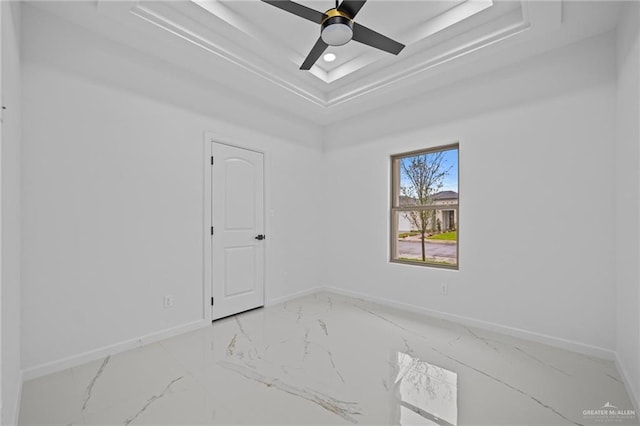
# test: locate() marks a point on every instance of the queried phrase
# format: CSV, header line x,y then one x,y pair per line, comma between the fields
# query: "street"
x,y
440,251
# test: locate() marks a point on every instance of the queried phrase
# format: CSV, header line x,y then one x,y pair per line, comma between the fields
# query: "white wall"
x,y
536,198
628,195
113,192
112,195
10,290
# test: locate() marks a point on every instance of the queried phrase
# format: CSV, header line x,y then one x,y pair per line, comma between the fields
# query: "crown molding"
x,y
363,75
210,46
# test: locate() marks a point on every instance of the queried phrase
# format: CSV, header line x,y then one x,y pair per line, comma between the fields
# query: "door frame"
x,y
207,242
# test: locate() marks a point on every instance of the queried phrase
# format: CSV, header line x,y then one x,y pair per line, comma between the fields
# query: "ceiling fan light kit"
x,y
337,27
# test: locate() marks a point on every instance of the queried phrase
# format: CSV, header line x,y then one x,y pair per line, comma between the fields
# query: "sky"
x,y
450,182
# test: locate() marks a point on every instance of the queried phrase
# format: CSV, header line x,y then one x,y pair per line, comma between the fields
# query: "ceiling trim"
x,y
424,66
344,95
428,28
172,27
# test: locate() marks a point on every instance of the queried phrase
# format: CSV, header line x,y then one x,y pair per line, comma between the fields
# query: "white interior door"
x,y
238,230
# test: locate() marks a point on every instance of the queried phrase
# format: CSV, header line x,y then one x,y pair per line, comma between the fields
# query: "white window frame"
x,y
397,209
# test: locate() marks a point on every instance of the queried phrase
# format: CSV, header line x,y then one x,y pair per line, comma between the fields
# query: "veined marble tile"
x,y
327,359
180,401
50,400
133,377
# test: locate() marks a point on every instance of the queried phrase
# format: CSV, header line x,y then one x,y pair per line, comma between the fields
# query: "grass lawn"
x,y
447,236
408,234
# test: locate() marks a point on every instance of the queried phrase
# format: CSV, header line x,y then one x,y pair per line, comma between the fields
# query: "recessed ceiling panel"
x,y
405,21
273,43
254,50
393,19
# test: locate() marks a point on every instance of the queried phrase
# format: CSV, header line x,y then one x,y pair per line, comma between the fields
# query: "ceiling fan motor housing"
x,y
337,28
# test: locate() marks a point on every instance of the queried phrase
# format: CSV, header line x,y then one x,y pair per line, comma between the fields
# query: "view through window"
x,y
424,207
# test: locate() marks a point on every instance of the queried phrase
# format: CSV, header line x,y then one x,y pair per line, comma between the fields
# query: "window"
x,y
424,207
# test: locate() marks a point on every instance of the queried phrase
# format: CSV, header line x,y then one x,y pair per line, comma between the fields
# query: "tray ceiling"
x,y
254,50
272,43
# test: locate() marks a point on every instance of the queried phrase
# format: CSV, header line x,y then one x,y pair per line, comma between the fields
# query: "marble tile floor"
x,y
331,360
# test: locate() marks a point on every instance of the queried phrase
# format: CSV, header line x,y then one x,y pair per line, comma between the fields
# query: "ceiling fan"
x,y
337,28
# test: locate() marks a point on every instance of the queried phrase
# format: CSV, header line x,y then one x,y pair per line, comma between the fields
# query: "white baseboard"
x,y
75,360
633,395
558,342
295,295
72,361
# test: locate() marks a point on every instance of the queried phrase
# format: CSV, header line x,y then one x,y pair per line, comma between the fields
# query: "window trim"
x,y
395,207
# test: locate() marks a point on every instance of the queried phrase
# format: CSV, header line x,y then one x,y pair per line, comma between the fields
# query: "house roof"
x,y
446,195
442,195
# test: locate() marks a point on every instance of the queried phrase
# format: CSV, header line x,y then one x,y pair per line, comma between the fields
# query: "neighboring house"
x,y
447,217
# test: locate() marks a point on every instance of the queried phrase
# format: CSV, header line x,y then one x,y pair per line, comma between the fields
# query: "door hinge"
x,y
212,301
212,230
212,160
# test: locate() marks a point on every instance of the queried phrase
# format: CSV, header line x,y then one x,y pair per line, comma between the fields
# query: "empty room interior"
x,y
315,212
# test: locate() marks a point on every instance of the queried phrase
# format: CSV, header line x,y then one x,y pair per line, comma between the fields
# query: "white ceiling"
x,y
294,36
257,49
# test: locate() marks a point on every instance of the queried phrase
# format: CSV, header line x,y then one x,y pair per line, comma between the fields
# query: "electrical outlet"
x,y
444,289
168,302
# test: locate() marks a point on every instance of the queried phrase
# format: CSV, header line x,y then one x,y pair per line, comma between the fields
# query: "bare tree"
x,y
425,174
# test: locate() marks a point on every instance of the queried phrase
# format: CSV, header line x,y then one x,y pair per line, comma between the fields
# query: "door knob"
x,y
260,237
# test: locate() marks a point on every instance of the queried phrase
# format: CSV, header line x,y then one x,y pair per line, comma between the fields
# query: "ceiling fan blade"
x,y
315,53
351,7
371,38
297,9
